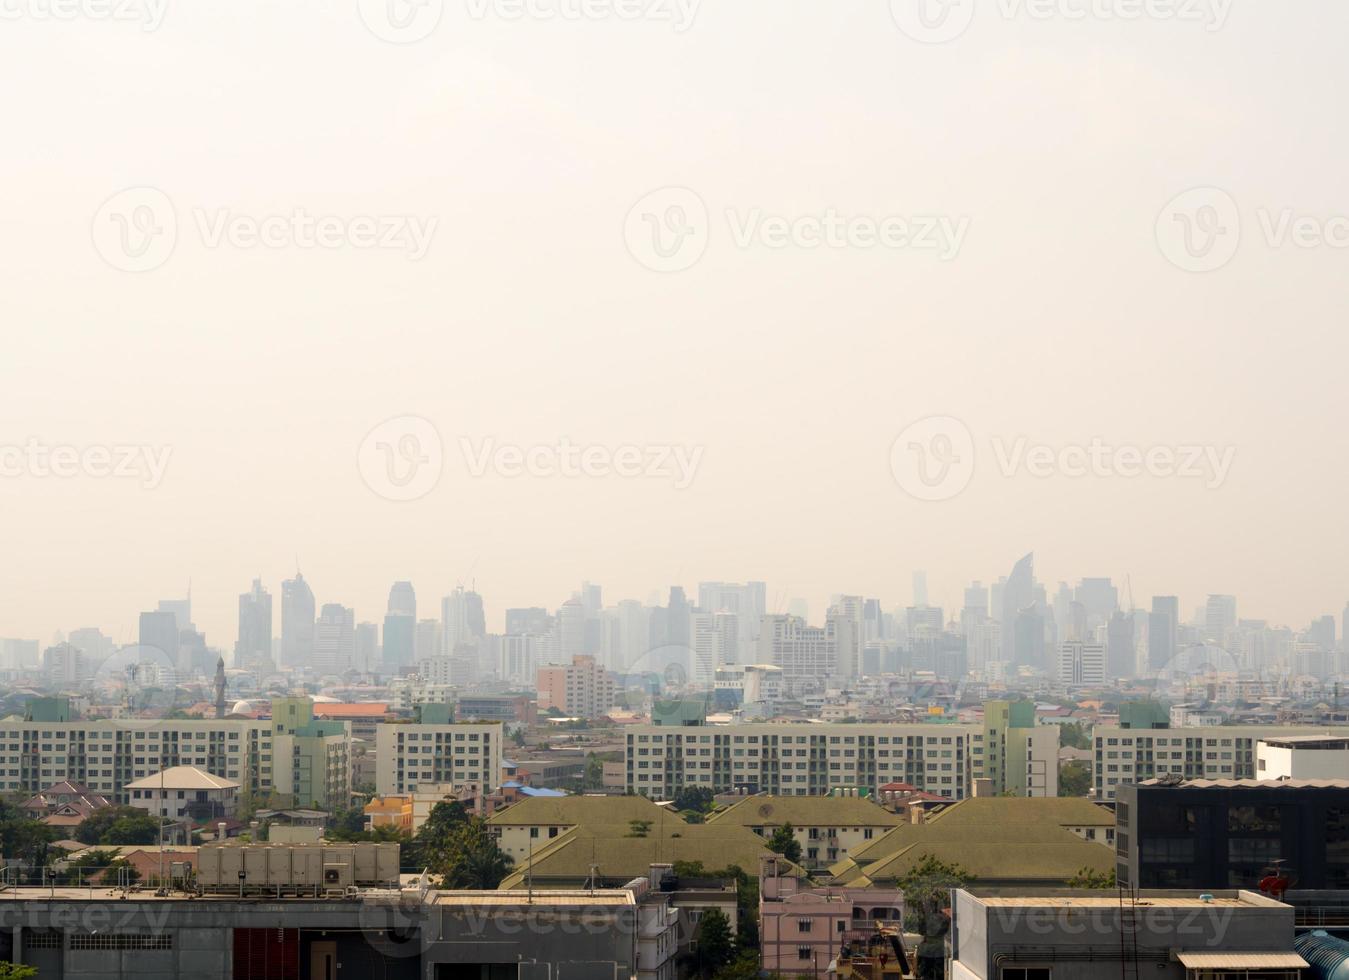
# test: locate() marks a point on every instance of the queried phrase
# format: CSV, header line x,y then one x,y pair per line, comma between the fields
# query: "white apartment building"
x,y
801,759
1081,664
1302,757
811,656
411,756
405,693
108,754
1131,755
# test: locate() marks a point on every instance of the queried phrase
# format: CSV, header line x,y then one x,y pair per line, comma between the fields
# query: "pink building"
x,y
582,689
801,928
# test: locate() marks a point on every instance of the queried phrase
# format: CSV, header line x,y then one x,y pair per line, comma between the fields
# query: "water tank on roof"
x,y
1328,956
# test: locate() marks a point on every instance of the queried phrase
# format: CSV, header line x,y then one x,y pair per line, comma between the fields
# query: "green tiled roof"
x,y
805,811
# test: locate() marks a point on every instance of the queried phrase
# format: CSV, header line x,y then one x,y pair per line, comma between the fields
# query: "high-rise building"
x,y
297,622
1018,595
335,639
367,647
400,628
1081,664
159,635
571,617
428,640
1121,658
462,619
1220,620
580,689
810,656
534,620
1163,631
254,645
748,601
1099,599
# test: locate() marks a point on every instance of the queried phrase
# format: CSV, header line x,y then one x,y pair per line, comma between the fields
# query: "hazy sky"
x,y
532,312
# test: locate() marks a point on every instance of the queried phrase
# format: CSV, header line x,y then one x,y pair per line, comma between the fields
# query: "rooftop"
x,y
805,811
183,777
1253,783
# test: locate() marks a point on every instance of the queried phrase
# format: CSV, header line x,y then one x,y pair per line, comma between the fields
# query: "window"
x,y
803,952
803,925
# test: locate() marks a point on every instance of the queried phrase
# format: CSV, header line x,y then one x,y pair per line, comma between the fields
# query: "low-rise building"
x,y
185,793
1083,935
1302,757
828,828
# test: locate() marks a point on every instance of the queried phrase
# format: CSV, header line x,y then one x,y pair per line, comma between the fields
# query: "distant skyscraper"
x,y
533,621
334,639
367,647
748,601
400,628
254,646
462,620
159,632
1163,631
297,622
570,631
428,639
1220,620
1121,652
1321,633
920,588
1018,594
181,609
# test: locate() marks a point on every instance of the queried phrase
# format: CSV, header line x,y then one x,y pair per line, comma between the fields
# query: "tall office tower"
x,y
810,656
367,647
159,633
1220,620
1081,664
634,633
65,665
428,640
1018,594
254,645
920,588
1076,627
1163,631
297,622
400,628
1121,658
181,609
748,601
1321,633
1099,599
335,639
1062,609
535,621
592,599
707,647
922,622
520,658
974,612
678,628
462,618
91,642
570,632
1028,640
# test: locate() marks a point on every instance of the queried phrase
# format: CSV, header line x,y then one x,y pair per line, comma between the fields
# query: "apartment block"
x,y
801,759
409,756
1131,755
581,689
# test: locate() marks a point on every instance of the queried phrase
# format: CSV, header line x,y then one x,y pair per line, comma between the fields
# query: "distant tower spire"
x,y
220,688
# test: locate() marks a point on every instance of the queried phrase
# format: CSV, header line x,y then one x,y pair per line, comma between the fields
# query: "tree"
x,y
745,966
927,894
784,842
1074,779
474,860
697,798
1074,735
715,948
434,841
118,825
1090,878
16,971
23,838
